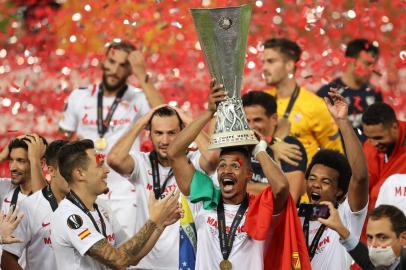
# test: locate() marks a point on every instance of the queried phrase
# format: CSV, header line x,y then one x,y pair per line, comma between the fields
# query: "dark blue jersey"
x,y
358,101
258,174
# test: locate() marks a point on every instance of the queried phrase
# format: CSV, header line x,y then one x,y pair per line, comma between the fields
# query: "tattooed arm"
x,y
136,254
127,254
162,213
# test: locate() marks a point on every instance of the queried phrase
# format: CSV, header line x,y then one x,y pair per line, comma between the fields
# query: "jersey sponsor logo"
x,y
114,122
74,222
84,234
400,191
323,243
45,224
213,222
47,241
169,188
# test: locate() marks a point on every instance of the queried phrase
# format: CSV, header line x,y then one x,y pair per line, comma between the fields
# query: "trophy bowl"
x,y
223,38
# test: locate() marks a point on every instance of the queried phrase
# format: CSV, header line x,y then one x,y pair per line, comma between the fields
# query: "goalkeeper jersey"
x,y
311,122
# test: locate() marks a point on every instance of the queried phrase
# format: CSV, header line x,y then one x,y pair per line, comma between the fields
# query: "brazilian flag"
x,y
187,239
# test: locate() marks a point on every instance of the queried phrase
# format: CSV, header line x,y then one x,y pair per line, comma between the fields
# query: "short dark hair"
x,y
355,46
262,99
335,160
73,155
165,111
379,113
396,216
287,47
21,143
244,150
17,143
51,154
122,45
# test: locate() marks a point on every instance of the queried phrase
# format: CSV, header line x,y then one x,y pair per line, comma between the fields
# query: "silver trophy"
x,y
223,39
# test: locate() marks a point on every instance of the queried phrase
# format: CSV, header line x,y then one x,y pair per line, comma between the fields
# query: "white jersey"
x,y
5,207
5,187
73,234
80,116
393,192
35,233
246,253
165,253
330,254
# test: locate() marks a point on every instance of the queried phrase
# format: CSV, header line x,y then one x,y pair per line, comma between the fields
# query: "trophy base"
x,y
232,138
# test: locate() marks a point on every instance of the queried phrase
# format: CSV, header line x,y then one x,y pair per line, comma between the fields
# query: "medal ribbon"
x,y
312,248
158,190
227,240
103,126
71,196
14,198
292,101
47,192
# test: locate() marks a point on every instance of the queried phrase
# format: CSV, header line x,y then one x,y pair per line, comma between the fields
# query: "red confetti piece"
x,y
240,161
100,158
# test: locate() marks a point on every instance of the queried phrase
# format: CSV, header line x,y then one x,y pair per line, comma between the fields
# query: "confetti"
x,y
240,161
100,158
50,49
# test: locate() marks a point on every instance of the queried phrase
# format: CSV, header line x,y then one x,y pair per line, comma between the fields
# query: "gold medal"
x,y
101,143
226,265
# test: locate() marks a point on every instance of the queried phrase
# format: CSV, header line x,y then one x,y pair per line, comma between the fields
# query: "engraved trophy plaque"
x,y
223,38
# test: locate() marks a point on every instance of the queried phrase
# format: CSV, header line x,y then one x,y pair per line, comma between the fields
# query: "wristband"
x,y
260,147
276,140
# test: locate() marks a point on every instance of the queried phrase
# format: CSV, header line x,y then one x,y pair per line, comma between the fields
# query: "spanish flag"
x,y
287,249
84,234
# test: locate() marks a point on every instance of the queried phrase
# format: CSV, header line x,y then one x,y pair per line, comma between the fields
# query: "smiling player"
x,y
341,180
